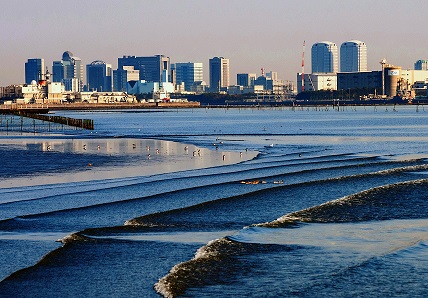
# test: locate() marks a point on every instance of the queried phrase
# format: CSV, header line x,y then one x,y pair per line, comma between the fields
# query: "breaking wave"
x,y
208,265
393,201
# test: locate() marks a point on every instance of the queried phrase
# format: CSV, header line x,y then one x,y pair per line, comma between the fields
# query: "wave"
x,y
393,201
208,265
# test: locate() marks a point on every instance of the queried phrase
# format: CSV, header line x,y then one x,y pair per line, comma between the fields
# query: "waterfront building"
x,y
421,65
219,74
325,57
245,79
69,71
353,56
317,81
188,73
99,76
34,70
122,76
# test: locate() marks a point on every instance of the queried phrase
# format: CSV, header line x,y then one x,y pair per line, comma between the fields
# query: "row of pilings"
x,y
80,123
40,115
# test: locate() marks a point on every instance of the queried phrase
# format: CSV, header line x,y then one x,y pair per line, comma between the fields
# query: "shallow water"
x,y
336,207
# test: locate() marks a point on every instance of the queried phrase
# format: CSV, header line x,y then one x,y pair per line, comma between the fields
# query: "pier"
x,y
40,112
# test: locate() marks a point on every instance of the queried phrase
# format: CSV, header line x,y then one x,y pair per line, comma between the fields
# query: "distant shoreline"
x,y
37,108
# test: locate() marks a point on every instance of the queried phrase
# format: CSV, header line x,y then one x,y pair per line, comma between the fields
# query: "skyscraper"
x,y
353,56
69,71
34,70
152,68
219,73
325,57
99,76
189,73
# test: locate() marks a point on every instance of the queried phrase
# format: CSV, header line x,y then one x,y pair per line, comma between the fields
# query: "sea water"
x,y
333,202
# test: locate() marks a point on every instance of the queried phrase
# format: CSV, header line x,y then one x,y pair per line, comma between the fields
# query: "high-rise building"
x,y
421,65
152,69
188,73
245,79
69,71
219,73
325,57
99,76
121,77
353,56
34,70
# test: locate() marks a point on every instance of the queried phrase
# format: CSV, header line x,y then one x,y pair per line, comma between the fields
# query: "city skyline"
x,y
252,35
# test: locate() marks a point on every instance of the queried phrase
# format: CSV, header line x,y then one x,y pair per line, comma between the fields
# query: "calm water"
x,y
340,208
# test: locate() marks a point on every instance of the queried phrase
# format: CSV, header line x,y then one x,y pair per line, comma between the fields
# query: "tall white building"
x,y
325,57
353,56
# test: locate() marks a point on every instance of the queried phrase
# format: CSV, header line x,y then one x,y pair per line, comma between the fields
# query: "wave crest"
x,y
209,264
75,237
400,200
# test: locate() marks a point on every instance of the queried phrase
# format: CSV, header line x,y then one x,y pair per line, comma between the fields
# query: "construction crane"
x,y
303,67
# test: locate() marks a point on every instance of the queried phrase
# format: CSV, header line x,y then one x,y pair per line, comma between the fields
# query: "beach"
x,y
101,159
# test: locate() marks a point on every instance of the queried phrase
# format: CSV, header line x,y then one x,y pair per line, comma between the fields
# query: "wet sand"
x,y
77,160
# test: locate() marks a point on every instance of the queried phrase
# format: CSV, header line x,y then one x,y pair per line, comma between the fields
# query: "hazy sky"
x,y
252,34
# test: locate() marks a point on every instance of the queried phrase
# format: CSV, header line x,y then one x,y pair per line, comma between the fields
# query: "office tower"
x,y
219,73
99,76
121,77
245,79
353,56
188,73
421,65
325,57
34,70
152,69
69,71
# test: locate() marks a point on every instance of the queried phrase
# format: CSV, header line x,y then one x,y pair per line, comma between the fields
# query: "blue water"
x,y
340,208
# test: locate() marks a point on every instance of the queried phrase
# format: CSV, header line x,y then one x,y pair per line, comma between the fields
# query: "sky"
x,y
253,34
